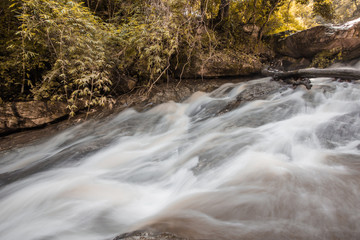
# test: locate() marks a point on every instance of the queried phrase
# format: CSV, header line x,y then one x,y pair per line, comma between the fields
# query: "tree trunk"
x,y
260,34
342,73
203,8
223,12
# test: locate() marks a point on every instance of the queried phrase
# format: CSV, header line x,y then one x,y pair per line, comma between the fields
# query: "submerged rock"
x,y
144,235
254,92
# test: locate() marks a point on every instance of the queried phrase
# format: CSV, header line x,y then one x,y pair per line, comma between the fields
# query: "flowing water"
x,y
284,167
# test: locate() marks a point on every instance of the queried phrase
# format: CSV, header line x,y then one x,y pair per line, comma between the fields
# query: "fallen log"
x,y
340,73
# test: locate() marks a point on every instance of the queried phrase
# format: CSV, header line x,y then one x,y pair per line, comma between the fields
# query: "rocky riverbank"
x,y
316,46
26,123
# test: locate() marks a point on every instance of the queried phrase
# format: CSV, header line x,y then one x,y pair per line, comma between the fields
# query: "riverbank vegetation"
x,y
85,52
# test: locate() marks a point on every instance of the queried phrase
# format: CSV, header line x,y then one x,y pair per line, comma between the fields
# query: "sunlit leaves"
x,y
75,39
68,50
324,8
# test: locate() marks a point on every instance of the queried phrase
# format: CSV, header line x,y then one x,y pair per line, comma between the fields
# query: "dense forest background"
x,y
91,50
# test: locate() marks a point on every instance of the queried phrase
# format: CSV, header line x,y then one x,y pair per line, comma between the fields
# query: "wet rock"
x,y
342,39
144,235
177,92
254,92
23,115
339,131
140,101
299,81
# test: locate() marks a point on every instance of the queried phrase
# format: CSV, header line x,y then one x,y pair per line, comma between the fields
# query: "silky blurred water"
x,y
284,167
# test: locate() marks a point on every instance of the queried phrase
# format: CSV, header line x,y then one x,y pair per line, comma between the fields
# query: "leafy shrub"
x,y
73,40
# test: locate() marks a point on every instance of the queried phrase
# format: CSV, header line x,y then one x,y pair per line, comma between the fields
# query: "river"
x,y
283,167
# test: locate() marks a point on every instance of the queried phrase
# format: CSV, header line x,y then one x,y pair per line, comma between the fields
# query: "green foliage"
x,y
152,40
326,58
12,75
346,10
68,50
73,40
324,8
285,20
115,11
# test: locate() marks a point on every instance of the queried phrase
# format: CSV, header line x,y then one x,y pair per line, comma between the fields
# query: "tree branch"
x,y
343,73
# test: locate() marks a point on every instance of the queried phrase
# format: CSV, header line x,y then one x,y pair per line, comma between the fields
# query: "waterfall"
x,y
284,166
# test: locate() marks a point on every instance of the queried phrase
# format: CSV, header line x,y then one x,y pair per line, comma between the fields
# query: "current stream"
x,y
284,167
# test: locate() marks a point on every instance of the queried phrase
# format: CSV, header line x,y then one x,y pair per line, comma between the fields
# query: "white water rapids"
x,y
286,167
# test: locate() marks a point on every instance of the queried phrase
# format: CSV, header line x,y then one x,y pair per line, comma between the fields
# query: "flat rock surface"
x,y
23,115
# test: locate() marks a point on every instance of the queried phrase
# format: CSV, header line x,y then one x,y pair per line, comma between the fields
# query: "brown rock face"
x,y
21,115
228,64
344,38
221,63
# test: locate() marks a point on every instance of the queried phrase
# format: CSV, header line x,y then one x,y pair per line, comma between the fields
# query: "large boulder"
x,y
17,116
344,39
222,64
